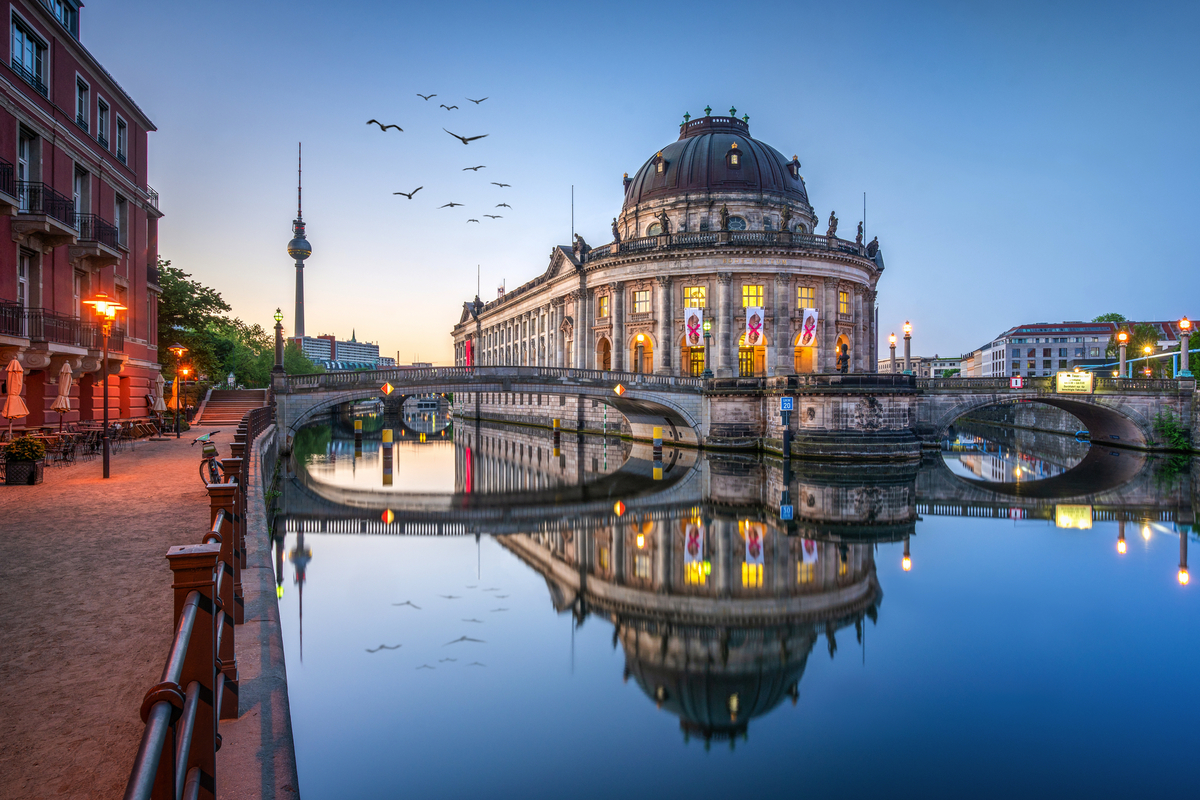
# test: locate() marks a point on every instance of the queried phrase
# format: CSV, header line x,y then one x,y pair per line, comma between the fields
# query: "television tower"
x,y
299,248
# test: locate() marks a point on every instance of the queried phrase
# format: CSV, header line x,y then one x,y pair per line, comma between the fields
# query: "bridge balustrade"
x,y
401,377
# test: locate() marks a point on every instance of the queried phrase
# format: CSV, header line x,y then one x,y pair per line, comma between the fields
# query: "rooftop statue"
x,y
616,231
785,219
833,221
873,247
581,247
858,238
664,221
724,218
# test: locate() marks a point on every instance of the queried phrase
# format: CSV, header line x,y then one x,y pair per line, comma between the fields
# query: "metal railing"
x,y
35,197
33,80
42,325
695,239
152,196
152,274
467,375
102,140
12,319
81,122
92,228
8,184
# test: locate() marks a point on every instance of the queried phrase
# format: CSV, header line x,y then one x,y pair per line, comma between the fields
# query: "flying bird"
x,y
503,205
476,664
494,589
449,597
408,603
474,620
383,647
501,596
494,216
465,139
450,205
464,639
475,169
448,108
410,194
474,220
444,660
494,610
426,666
383,127
425,97
477,102
476,586
501,185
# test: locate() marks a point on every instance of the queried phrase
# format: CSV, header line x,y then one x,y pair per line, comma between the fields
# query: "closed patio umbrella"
x,y
14,406
62,403
160,386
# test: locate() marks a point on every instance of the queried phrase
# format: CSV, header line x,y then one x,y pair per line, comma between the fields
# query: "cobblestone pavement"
x,y
86,594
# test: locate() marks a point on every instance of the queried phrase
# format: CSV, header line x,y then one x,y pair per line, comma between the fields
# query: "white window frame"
x,y
122,154
83,105
102,112
30,31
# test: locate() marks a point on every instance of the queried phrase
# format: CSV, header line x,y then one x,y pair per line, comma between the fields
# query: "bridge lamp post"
x,y
1147,350
892,345
708,373
906,562
178,351
641,338
1122,343
907,347
1121,546
1185,330
278,341
1183,568
107,310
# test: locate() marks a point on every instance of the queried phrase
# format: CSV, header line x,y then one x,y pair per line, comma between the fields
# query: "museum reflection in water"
x,y
721,575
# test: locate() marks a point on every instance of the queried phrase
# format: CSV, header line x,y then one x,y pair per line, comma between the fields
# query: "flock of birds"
x,y
460,640
466,140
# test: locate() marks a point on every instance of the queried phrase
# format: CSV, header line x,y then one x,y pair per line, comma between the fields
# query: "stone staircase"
x,y
228,406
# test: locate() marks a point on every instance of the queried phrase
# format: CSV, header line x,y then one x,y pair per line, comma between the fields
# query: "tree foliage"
x,y
193,315
1112,317
1141,335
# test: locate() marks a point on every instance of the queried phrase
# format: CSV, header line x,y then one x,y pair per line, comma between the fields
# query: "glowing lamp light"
x,y
907,328
279,592
104,305
906,564
618,508
1185,324
1122,337
641,541
1147,349
1146,532
1115,374
278,316
641,337
387,517
178,350
619,389
707,325
387,388
1121,546
1183,577
892,340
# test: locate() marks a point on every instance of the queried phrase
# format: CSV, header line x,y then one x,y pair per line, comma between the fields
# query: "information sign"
x,y
785,513
1016,382
787,403
1073,382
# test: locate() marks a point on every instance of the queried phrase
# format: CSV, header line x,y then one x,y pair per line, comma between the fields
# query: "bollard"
x,y
557,436
387,456
194,568
222,497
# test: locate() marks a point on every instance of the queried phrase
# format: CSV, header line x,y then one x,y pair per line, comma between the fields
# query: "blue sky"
x,y
1022,162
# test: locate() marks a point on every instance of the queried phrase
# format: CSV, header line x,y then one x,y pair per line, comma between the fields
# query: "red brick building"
x,y
76,217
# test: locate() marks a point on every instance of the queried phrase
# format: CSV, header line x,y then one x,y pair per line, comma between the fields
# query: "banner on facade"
x,y
755,322
808,328
693,542
808,551
754,542
693,326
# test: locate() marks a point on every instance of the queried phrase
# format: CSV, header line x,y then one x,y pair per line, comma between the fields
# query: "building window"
x,y
1062,363
737,224
806,297
122,141
1062,352
1095,351
695,296
733,159
1046,352
102,124
29,57
24,267
603,311
66,13
1046,364
1016,352
1031,365
121,214
641,301
655,229
805,572
752,295
1016,367
843,302
81,104
25,167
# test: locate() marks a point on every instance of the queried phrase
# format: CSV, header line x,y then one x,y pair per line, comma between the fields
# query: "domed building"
x,y
716,231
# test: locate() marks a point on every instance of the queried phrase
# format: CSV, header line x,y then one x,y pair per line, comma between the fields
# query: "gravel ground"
x,y
86,595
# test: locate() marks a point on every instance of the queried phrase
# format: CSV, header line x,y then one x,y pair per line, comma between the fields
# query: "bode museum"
x,y
716,236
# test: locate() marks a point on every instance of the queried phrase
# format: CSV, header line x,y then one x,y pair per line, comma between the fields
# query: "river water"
x,y
495,614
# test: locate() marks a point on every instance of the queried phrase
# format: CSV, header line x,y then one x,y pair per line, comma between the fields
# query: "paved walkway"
x,y
85,590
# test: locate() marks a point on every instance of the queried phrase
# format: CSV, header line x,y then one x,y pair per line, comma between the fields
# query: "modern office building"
x,y
922,366
80,220
326,347
717,228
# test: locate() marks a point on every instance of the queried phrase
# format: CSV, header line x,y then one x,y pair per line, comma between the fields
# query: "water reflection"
x,y
1009,455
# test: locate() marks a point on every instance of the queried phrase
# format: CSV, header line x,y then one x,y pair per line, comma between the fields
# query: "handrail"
x,y
400,376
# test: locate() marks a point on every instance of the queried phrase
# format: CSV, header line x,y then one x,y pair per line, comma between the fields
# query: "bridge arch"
x,y
1108,421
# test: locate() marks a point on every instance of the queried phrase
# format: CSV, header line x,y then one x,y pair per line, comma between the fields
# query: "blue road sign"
x,y
787,403
785,512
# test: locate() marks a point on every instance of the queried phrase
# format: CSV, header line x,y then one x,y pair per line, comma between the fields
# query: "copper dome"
x,y
700,162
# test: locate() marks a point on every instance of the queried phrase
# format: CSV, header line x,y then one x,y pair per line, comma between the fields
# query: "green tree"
x,y
187,311
1113,317
1141,336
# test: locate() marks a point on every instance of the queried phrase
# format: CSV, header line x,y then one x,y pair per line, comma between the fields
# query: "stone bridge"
x,y
854,416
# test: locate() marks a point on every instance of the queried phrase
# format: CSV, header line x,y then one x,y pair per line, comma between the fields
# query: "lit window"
x,y
641,301
696,573
752,295
805,572
694,296
752,575
603,312
603,550
641,566
733,159
806,297
843,302
843,568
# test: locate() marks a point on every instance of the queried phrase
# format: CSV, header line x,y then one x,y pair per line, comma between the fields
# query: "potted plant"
x,y
24,462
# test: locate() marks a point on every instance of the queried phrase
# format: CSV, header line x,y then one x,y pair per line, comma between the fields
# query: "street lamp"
x,y
892,345
178,350
708,373
106,308
1147,350
907,347
278,341
1183,567
641,338
1122,342
906,561
1185,330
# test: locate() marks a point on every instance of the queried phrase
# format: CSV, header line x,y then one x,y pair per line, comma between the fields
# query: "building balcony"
x,y
44,213
49,330
8,189
98,242
152,275
713,239
33,80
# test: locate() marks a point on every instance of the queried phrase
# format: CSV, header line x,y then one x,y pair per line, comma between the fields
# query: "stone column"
x,y
665,326
829,328
578,327
860,334
559,342
724,322
589,339
785,360
619,357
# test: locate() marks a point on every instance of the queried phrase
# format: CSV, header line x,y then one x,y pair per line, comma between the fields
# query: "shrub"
x,y
1169,428
25,448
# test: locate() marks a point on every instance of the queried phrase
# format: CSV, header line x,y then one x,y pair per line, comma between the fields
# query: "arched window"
x,y
655,229
733,159
737,224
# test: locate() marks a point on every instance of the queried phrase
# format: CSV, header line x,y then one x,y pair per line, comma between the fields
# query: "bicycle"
x,y
209,467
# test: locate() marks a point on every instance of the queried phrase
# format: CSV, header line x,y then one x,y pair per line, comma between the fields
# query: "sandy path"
x,y
86,599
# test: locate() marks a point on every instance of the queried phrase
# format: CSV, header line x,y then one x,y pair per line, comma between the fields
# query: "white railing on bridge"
x,y
402,377
1045,384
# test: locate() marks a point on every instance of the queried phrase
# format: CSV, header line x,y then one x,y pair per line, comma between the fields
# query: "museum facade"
x,y
715,261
